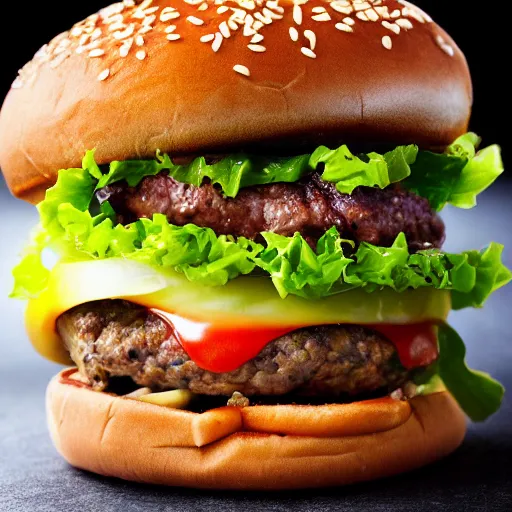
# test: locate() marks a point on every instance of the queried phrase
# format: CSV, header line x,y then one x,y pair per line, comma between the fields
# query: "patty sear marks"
x,y
115,338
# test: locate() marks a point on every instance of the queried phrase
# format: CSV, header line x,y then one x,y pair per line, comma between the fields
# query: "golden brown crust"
x,y
182,97
138,441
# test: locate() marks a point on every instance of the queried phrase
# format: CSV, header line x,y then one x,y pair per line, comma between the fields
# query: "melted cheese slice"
x,y
245,301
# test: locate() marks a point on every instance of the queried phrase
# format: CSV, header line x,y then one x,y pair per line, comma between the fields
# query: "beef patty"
x,y
115,338
311,206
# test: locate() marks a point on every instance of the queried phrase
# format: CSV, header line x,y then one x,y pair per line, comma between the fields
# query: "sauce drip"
x,y
222,349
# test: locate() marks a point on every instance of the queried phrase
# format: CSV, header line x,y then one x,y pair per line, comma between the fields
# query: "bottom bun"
x,y
133,440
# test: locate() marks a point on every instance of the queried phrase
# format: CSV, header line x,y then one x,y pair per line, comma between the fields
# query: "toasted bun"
x,y
249,448
382,75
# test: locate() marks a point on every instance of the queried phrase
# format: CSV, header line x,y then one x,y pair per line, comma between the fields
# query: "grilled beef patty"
x,y
311,206
115,338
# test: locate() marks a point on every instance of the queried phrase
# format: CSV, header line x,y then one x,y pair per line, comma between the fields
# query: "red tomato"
x,y
221,349
416,344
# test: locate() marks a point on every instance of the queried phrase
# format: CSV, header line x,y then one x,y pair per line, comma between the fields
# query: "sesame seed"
x,y
372,15
361,6
413,13
232,25
404,23
387,43
169,16
173,37
391,26
104,75
98,52
311,37
224,29
59,60
149,20
243,70
448,49
170,28
123,34
203,7
139,41
166,10
124,51
349,21
248,30
271,15
321,17
18,83
395,14
383,11
194,20
151,10
344,27
141,55
297,14
207,38
263,19
308,53
258,48
257,25
294,34
98,33
318,10
274,4
416,11
145,4
145,29
222,9
338,7
118,18
238,16
362,16
257,38
217,41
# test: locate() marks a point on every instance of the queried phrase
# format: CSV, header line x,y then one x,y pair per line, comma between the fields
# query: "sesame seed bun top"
x,y
204,76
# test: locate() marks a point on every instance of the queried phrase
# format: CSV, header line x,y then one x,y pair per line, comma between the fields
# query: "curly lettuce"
x,y
69,227
455,177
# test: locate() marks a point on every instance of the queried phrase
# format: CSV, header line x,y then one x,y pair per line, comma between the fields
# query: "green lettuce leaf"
x,y
349,171
30,275
457,176
231,173
68,227
478,394
295,268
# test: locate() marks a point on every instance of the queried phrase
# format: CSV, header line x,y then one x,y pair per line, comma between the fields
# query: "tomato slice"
x,y
416,344
220,349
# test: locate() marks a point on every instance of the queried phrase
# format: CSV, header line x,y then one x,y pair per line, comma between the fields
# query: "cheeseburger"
x,y
243,197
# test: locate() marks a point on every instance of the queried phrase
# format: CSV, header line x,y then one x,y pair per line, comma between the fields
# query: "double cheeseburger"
x,y
250,280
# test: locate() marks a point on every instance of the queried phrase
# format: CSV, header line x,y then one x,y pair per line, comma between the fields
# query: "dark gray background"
x,y
476,477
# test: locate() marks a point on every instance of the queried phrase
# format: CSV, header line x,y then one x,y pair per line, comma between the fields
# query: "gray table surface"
x,y
476,477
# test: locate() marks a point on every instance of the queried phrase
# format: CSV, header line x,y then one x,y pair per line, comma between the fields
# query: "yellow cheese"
x,y
243,301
